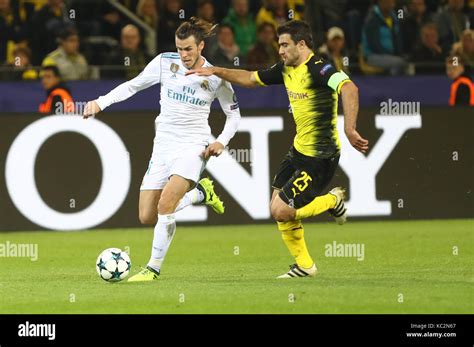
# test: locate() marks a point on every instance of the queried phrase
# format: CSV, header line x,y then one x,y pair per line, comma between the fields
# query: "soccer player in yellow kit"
x,y
313,86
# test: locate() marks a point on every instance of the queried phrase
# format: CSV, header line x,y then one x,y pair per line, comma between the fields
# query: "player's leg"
x,y
305,188
203,193
333,202
292,231
300,198
154,180
148,206
292,234
183,169
165,227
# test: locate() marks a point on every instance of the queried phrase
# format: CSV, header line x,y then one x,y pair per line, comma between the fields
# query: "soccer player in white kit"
x,y
181,146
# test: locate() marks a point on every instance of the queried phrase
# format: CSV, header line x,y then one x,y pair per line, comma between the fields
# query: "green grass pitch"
x,y
409,267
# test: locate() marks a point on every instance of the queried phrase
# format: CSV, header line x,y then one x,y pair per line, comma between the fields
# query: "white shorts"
x,y
185,162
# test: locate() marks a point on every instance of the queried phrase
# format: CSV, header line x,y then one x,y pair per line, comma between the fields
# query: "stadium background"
x,y
68,172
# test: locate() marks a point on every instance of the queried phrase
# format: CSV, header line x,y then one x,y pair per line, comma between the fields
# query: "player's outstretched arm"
x,y
350,104
150,76
242,78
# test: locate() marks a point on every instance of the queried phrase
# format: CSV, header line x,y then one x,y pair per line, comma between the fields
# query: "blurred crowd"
x,y
88,39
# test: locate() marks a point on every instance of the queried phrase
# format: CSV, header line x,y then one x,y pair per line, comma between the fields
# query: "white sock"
x,y
163,235
194,196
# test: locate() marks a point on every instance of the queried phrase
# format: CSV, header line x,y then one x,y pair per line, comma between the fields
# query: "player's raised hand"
x,y
91,109
213,150
357,141
202,71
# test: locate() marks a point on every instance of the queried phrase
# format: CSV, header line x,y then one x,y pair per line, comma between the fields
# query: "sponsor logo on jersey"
x,y
186,98
297,96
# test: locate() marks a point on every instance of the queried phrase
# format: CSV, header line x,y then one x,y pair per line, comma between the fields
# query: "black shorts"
x,y
301,178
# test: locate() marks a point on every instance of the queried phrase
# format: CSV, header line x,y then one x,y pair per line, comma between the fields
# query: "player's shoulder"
x,y
319,65
280,66
207,63
169,58
170,55
317,62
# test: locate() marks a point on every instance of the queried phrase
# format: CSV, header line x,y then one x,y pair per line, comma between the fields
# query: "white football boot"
x,y
339,212
296,271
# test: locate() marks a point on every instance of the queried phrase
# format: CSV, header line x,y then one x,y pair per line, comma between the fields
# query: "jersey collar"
x,y
304,63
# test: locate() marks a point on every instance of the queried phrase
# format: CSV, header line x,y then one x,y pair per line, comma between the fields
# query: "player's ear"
x,y
201,46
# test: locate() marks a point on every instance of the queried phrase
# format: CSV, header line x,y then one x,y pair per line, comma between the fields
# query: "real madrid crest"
x,y
205,85
174,68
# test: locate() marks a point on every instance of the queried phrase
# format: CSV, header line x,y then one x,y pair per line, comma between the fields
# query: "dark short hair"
x,y
67,32
298,30
53,68
199,28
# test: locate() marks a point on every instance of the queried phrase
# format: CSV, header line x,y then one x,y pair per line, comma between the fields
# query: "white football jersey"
x,y
185,101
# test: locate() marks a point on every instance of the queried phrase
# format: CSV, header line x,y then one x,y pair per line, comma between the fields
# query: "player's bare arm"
x,y
242,78
350,104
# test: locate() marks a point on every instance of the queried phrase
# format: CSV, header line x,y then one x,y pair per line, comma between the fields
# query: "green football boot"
x,y
211,199
147,274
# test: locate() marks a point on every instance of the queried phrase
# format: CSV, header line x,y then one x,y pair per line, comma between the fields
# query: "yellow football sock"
x,y
292,234
319,205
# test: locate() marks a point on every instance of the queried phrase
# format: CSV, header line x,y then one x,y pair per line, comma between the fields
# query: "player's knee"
x,y
167,205
279,214
147,218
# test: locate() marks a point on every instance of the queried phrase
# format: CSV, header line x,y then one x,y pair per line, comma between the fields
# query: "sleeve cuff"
x,y
223,140
257,77
101,102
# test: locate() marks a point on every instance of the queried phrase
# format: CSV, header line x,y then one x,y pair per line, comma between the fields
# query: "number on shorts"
x,y
302,182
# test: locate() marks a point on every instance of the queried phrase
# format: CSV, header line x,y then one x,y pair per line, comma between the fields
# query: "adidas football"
x,y
113,265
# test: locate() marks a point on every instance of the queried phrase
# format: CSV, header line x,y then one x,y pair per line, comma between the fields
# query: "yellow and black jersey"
x,y
313,89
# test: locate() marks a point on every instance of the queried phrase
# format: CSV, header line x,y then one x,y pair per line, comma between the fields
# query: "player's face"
x,y
189,51
288,50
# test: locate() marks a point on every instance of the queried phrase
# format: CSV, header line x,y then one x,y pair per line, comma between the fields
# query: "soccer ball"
x,y
113,265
